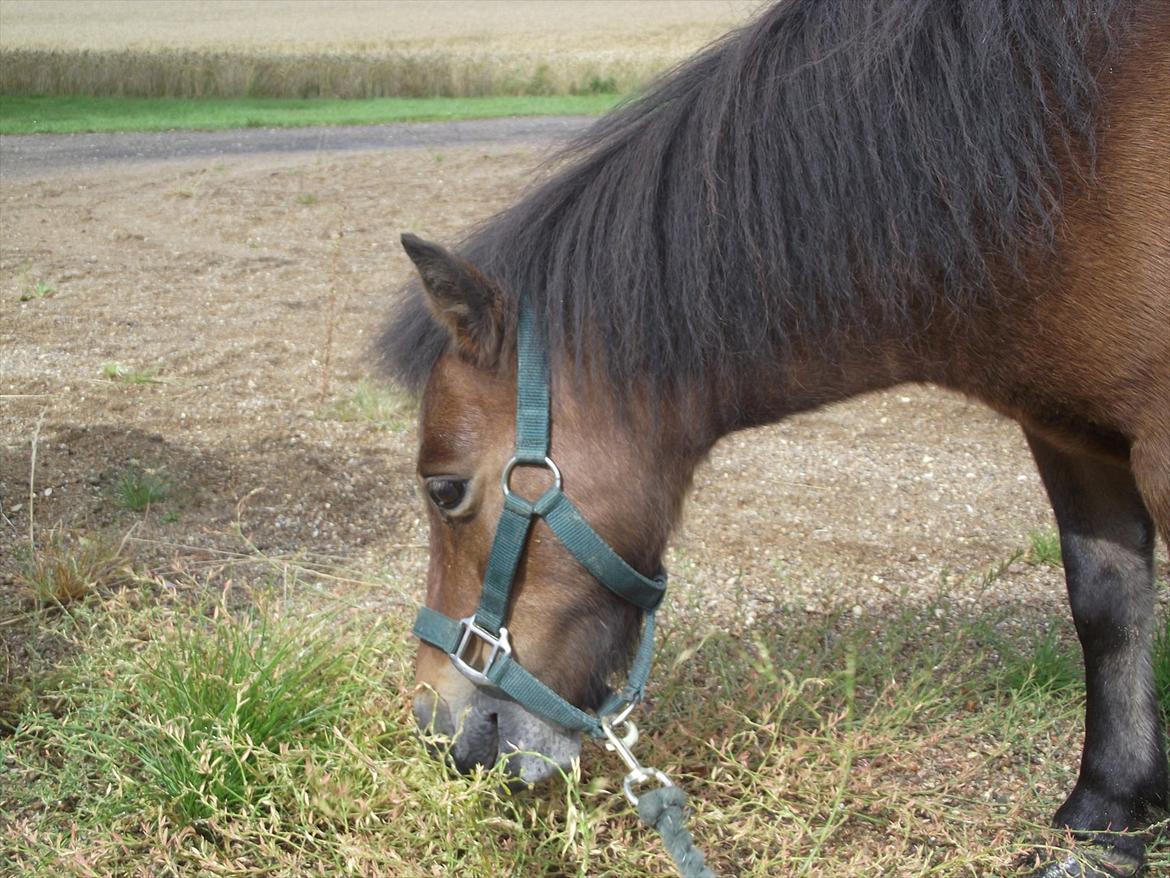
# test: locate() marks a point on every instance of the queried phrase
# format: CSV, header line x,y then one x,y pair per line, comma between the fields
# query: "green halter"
x,y
456,637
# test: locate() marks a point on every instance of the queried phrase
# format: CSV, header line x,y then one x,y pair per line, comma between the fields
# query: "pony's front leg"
x,y
1107,542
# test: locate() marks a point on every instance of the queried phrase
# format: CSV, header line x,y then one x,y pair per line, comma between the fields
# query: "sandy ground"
x,y
252,288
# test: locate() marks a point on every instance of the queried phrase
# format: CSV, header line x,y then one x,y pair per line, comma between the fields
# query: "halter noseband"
x,y
499,669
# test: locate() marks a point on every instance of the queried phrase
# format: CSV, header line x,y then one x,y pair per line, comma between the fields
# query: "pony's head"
x,y
627,481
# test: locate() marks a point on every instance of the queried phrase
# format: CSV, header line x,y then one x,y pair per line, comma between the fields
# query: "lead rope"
x,y
662,808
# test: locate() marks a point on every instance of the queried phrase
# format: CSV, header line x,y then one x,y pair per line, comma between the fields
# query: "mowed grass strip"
x,y
277,741
73,115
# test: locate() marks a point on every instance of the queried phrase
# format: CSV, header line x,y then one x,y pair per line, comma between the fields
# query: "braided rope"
x,y
662,809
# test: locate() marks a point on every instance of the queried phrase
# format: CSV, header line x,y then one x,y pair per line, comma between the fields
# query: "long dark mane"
x,y
829,164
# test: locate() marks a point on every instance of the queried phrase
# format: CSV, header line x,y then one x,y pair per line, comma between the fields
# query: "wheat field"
x,y
349,48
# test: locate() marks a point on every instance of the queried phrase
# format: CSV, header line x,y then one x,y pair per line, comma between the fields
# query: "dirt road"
x,y
29,158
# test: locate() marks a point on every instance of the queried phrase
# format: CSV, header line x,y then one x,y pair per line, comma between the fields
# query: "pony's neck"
x,y
817,375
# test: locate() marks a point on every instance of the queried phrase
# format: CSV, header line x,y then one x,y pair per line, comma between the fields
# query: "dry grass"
x,y
350,49
206,739
64,568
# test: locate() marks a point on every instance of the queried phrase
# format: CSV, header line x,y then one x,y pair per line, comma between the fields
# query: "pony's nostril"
x,y
478,742
424,711
474,742
422,708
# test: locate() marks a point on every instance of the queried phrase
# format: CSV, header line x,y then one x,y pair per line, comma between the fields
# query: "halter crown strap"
x,y
573,531
531,392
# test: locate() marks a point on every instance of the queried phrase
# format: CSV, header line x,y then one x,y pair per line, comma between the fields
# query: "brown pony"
x,y
838,198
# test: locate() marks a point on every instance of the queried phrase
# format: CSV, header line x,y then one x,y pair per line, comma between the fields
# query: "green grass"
x,y
38,290
1162,666
138,490
215,701
126,375
1049,663
379,405
70,115
1044,548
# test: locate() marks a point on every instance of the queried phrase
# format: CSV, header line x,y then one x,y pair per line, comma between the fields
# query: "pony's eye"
x,y
447,494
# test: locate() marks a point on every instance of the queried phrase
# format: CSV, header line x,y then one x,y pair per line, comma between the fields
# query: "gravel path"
x,y
28,157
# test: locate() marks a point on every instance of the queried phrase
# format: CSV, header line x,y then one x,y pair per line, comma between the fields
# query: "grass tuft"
x,y
1048,665
375,404
63,570
217,702
278,742
1044,548
114,371
137,490
39,289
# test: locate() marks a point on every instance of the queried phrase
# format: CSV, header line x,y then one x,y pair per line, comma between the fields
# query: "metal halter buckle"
x,y
499,644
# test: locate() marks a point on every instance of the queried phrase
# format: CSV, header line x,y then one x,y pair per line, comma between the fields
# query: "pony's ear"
x,y
464,301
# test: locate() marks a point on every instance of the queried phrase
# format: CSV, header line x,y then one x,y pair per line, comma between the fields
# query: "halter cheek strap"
x,y
458,638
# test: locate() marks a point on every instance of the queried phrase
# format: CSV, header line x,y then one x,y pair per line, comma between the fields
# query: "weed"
x,y
306,198
39,289
63,570
125,375
1044,548
374,404
138,490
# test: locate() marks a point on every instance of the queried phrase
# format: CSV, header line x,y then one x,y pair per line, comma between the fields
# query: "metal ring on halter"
x,y
515,462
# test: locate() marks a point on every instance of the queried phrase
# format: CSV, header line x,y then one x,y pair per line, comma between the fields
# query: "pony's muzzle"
x,y
487,725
